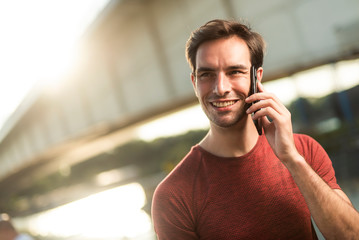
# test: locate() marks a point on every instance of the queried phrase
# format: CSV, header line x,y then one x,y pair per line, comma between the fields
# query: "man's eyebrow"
x,y
204,69
240,66
233,67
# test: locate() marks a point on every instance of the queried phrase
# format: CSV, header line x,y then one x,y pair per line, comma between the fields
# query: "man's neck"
x,y
234,141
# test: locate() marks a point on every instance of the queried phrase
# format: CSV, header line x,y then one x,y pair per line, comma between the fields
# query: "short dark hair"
x,y
217,29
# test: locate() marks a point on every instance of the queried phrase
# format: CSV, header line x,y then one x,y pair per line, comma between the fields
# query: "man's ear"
x,y
260,74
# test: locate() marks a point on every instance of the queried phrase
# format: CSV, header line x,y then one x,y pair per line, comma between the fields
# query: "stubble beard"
x,y
227,119
223,121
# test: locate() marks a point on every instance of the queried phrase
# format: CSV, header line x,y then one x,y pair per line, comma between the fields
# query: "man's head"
x,y
217,29
221,54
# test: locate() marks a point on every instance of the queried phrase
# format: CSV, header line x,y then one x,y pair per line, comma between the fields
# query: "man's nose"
x,y
222,85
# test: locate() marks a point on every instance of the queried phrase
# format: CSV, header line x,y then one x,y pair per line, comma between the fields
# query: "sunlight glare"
x,y
38,44
114,213
316,82
348,74
283,88
174,124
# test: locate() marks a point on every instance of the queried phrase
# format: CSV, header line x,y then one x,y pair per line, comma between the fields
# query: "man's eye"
x,y
235,72
207,75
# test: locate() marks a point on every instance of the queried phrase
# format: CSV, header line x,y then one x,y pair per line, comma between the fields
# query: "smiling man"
x,y
237,184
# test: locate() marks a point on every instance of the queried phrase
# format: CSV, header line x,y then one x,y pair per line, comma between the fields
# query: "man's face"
x,y
222,80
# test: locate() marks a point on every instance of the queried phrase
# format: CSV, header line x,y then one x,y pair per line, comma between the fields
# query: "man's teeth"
x,y
223,104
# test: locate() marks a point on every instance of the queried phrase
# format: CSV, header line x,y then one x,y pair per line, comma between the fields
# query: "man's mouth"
x,y
222,104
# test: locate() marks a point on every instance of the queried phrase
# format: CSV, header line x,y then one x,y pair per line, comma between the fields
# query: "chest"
x,y
252,201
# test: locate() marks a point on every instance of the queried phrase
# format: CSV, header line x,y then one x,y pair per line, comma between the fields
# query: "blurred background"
x,y
96,103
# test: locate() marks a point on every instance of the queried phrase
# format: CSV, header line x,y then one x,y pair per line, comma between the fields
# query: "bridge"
x,y
133,70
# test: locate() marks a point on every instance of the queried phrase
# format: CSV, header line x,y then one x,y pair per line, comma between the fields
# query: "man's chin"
x,y
225,124
230,122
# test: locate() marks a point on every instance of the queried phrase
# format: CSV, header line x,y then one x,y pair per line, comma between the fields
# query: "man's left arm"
x,y
330,208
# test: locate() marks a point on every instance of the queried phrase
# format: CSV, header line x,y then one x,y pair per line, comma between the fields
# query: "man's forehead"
x,y
227,51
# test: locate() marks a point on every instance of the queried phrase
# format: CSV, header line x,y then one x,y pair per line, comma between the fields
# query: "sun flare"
x,y
39,44
112,214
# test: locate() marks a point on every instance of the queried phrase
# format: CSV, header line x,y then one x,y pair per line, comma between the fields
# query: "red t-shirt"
x,y
248,197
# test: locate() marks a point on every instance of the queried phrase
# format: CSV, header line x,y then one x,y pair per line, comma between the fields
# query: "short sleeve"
x,y
170,215
317,158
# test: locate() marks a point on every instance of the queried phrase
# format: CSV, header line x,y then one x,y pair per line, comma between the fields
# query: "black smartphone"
x,y
252,91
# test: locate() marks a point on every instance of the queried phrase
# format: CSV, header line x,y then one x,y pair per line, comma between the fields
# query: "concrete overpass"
x,y
134,69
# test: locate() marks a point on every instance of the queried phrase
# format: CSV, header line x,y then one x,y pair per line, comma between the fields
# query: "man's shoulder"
x,y
185,171
302,137
312,150
181,180
304,141
186,168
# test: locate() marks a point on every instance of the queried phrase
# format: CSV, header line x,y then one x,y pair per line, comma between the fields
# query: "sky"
x,y
38,41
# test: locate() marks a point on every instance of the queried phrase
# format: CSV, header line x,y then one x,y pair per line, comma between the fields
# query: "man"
x,y
8,231
237,184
